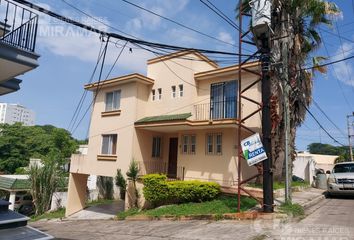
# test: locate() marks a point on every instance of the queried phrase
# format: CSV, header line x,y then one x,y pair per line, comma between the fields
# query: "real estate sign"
x,y
253,149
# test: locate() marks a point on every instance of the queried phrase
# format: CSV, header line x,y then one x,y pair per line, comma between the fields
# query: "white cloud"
x,y
226,37
70,41
344,70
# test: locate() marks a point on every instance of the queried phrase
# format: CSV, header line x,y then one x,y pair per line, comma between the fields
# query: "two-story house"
x,y
18,34
181,119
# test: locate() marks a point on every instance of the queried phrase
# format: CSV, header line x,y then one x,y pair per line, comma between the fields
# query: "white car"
x,y
341,179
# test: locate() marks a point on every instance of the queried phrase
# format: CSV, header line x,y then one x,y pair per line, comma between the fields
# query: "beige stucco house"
x,y
181,120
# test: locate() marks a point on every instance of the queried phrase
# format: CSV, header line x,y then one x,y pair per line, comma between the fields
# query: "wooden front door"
x,y
172,158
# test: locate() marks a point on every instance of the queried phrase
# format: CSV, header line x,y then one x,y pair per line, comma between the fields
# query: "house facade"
x,y
181,119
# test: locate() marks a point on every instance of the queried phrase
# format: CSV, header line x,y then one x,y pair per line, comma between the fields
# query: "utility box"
x,y
261,18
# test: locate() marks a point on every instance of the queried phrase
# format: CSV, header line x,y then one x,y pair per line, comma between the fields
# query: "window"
x,y
180,90
153,94
109,144
112,101
156,147
188,144
213,144
159,90
173,89
223,100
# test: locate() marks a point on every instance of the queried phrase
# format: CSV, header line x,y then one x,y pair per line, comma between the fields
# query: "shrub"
x,y
105,187
121,183
158,191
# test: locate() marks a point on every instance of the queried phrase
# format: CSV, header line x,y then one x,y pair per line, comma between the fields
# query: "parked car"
x,y
22,199
341,179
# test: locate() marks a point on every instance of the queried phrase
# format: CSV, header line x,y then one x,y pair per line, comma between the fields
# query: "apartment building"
x,y
13,113
181,119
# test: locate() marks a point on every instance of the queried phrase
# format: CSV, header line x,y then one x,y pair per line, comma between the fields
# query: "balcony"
x,y
216,110
18,34
18,26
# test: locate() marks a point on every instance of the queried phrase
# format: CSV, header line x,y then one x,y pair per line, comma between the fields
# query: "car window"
x,y
344,168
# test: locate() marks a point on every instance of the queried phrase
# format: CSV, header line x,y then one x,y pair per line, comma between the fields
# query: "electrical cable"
x,y
115,35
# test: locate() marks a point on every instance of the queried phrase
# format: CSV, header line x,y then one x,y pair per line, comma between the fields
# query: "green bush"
x,y
158,191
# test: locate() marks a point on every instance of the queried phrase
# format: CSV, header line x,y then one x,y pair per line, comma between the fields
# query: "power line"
x,y
328,118
313,116
83,96
177,23
99,86
115,35
336,76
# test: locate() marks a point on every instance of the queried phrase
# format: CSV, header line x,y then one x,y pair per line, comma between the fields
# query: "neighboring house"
x,y
306,164
181,120
13,113
18,33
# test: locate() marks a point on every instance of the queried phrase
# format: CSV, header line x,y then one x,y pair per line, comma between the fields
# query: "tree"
x,y
44,182
133,174
294,25
19,143
121,183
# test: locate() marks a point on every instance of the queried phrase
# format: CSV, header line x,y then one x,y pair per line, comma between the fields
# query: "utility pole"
x,y
286,105
261,20
266,130
350,127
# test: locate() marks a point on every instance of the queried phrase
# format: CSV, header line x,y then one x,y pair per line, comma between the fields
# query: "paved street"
x,y
331,219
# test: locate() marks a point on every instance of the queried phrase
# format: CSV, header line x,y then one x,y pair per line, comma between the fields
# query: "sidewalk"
x,y
306,198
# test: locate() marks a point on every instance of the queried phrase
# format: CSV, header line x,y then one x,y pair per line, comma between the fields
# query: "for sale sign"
x,y
253,149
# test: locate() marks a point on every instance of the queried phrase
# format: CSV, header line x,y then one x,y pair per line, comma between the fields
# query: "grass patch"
x,y
60,213
295,210
219,206
280,185
130,212
99,202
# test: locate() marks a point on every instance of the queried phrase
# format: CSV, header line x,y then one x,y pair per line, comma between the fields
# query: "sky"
x,y
68,56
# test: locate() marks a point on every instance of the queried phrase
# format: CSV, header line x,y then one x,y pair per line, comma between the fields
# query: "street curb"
x,y
313,201
212,217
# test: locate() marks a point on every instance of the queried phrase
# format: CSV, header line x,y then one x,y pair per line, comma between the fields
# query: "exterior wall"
x,y
12,113
122,125
182,68
76,193
304,167
254,93
325,162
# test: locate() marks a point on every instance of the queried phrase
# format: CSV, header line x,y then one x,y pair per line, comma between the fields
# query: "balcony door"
x,y
223,100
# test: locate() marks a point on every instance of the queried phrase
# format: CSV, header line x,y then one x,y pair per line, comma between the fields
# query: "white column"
x,y
12,200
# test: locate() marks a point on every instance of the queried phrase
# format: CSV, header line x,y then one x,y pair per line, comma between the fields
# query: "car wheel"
x,y
328,195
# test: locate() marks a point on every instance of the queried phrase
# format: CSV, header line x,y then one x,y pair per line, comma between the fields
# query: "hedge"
x,y
158,191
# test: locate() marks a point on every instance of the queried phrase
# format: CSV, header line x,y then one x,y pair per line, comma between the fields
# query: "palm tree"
x,y
295,25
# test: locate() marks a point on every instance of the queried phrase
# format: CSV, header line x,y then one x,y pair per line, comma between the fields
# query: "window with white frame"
x,y
109,144
213,144
159,91
113,101
153,94
188,144
173,92
180,87
156,147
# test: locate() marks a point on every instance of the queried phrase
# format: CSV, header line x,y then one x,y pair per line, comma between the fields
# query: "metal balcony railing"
x,y
18,26
216,110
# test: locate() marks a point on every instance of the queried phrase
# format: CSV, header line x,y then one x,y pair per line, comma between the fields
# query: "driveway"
x,y
331,219
103,211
